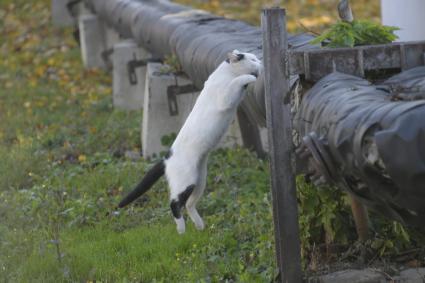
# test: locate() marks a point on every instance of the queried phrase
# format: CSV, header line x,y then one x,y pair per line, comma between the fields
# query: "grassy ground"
x,y
63,170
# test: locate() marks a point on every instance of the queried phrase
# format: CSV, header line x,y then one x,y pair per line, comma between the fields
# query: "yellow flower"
x,y
51,61
82,158
40,70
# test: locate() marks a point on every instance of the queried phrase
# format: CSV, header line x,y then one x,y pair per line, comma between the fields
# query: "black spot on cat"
x,y
240,56
177,205
175,208
184,196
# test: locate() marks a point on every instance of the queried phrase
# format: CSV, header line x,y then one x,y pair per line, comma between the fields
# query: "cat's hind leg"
x,y
182,175
176,206
196,195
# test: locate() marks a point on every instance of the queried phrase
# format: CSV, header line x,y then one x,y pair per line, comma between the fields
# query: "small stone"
x,y
352,276
413,275
132,155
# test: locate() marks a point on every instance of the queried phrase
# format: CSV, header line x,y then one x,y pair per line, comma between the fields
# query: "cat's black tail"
x,y
147,182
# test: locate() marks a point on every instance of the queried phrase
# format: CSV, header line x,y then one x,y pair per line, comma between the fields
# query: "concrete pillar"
x,y
407,15
264,138
157,121
233,137
80,10
92,40
61,16
112,37
128,95
64,15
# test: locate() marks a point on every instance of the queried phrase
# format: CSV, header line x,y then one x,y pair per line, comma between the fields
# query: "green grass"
x,y
63,170
139,254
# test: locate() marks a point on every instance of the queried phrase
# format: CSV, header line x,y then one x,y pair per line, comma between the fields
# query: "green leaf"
x,y
362,32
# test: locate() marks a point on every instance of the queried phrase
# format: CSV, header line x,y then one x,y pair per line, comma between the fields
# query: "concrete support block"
x,y
80,9
233,137
66,12
61,16
264,138
92,40
128,82
112,37
157,121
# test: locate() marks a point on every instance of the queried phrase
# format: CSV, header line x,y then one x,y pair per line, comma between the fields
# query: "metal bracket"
x,y
324,168
131,69
106,54
173,91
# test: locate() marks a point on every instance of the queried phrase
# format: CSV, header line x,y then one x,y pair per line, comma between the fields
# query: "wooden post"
x,y
361,219
344,11
279,124
250,133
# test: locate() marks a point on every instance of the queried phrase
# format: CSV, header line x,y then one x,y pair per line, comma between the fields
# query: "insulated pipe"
x,y
369,140
199,39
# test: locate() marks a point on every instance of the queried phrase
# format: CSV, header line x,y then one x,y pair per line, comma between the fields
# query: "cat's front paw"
x,y
247,79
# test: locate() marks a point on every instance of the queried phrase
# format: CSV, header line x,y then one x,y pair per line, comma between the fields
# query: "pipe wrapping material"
x,y
369,139
199,39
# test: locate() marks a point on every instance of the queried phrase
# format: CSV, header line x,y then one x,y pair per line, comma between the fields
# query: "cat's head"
x,y
244,63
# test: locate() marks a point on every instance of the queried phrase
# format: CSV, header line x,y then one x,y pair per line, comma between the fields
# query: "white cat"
x,y
185,165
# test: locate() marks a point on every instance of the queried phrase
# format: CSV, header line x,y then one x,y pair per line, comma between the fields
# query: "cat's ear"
x,y
234,56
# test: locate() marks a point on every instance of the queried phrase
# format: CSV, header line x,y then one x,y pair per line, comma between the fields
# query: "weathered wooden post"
x,y
359,210
279,124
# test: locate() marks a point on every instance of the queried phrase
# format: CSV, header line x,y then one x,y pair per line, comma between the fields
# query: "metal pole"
x,y
279,124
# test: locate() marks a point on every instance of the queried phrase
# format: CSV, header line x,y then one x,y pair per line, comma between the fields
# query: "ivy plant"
x,y
357,32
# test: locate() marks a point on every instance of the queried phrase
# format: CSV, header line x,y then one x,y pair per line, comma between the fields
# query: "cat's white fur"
x,y
211,116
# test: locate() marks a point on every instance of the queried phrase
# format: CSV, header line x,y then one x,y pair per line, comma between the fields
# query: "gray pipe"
x,y
199,39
